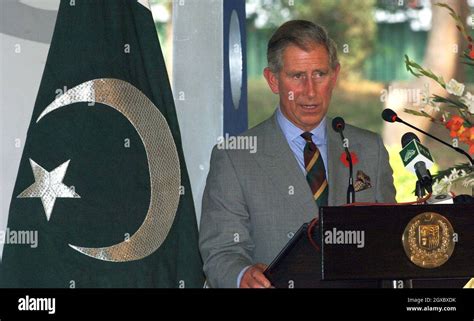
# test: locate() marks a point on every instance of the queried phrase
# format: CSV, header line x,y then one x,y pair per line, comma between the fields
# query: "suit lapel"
x,y
279,163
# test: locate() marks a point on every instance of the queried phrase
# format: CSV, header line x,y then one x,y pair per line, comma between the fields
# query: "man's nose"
x,y
310,89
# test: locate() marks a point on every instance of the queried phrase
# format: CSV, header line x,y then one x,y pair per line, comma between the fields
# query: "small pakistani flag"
x,y
102,197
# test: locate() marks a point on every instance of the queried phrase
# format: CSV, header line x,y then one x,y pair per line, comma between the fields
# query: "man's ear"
x,y
272,80
335,74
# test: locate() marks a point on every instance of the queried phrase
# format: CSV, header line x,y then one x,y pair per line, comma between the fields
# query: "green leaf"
x,y
412,112
418,113
454,102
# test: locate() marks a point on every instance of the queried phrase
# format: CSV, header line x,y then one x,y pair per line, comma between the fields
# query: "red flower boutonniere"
x,y
344,160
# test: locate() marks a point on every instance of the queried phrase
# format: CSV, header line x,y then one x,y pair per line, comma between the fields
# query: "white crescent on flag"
x,y
145,3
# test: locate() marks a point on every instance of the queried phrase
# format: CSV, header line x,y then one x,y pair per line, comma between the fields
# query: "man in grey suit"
x,y
254,202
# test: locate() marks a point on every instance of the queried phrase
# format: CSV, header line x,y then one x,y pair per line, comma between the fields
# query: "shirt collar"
x,y
293,133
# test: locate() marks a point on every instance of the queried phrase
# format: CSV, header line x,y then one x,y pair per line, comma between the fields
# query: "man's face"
x,y
305,85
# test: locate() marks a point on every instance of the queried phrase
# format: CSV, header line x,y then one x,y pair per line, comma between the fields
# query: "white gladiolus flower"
x,y
468,100
445,181
442,186
468,182
454,174
455,88
437,188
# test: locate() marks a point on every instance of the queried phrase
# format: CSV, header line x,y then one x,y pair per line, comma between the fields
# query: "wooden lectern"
x,y
361,246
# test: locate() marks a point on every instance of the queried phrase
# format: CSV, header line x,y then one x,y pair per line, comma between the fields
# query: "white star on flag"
x,y
48,186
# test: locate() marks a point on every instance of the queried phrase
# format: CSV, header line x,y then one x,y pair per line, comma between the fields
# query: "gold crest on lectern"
x,y
428,240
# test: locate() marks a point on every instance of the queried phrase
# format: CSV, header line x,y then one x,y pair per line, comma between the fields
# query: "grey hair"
x,y
303,34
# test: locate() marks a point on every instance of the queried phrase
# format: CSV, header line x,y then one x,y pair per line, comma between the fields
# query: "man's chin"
x,y
310,123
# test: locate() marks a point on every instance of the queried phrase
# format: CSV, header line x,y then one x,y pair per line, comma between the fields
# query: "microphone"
x,y
417,158
390,116
338,124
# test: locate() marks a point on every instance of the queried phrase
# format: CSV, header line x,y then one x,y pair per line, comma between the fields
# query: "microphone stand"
x,y
419,190
350,187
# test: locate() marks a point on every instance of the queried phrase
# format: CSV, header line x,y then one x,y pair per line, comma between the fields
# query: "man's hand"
x,y
254,278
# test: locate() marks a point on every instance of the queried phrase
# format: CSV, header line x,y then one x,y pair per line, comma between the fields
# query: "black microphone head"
x,y
338,124
408,137
389,115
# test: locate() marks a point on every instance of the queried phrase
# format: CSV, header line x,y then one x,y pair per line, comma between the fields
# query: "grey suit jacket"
x,y
253,203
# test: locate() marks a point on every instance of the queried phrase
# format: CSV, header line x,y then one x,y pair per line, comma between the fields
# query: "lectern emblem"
x,y
428,240
428,236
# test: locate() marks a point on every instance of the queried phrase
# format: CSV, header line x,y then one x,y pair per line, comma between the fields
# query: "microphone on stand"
x,y
338,124
417,158
390,116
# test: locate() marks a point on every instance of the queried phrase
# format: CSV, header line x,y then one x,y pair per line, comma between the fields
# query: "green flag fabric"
x,y
102,197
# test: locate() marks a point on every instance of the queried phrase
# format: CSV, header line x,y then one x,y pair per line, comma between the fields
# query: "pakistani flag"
x,y
102,197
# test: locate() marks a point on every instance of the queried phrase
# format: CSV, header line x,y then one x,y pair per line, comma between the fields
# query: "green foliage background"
x,y
349,23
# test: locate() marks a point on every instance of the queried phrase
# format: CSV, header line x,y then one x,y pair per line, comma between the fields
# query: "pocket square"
x,y
362,181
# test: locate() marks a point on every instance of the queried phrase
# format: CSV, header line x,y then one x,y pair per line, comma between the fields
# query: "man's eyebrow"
x,y
295,72
321,70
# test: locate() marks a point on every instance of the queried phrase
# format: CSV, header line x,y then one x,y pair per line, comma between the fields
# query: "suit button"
x,y
290,235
